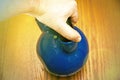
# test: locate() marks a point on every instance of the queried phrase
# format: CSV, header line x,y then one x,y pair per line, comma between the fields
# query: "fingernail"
x,y
78,39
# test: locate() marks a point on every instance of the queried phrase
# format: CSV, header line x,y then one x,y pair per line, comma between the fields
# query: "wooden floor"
x,y
98,19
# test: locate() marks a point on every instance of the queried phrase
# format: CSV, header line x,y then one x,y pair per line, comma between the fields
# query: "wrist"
x,y
35,9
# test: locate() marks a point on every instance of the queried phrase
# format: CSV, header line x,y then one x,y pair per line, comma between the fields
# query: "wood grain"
x,y
98,19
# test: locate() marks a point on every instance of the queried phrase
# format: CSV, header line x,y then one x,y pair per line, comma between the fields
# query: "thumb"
x,y
62,28
67,31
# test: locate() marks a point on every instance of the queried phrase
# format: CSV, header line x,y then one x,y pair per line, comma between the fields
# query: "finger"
x,y
61,27
74,16
66,31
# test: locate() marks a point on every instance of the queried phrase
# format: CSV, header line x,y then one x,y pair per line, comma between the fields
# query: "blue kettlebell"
x,y
60,56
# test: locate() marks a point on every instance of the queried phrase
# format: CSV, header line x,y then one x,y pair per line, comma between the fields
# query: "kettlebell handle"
x,y
45,28
69,22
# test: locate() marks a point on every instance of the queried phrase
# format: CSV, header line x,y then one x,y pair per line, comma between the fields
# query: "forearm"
x,y
53,13
10,8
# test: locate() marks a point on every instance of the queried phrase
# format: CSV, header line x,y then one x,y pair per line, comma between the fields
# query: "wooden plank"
x,y
98,19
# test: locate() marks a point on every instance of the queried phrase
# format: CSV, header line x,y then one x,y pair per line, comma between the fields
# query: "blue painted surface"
x,y
60,57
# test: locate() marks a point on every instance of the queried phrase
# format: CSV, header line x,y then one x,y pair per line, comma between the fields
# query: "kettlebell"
x,y
61,57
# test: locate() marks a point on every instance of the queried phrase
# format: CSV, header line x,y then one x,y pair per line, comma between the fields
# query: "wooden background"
x,y
98,19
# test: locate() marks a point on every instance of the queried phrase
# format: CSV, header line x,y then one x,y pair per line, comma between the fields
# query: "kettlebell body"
x,y
60,57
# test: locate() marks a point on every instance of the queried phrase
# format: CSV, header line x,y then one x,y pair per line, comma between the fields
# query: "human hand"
x,y
54,13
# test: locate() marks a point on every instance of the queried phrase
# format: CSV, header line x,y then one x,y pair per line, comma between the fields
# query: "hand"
x,y
54,13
